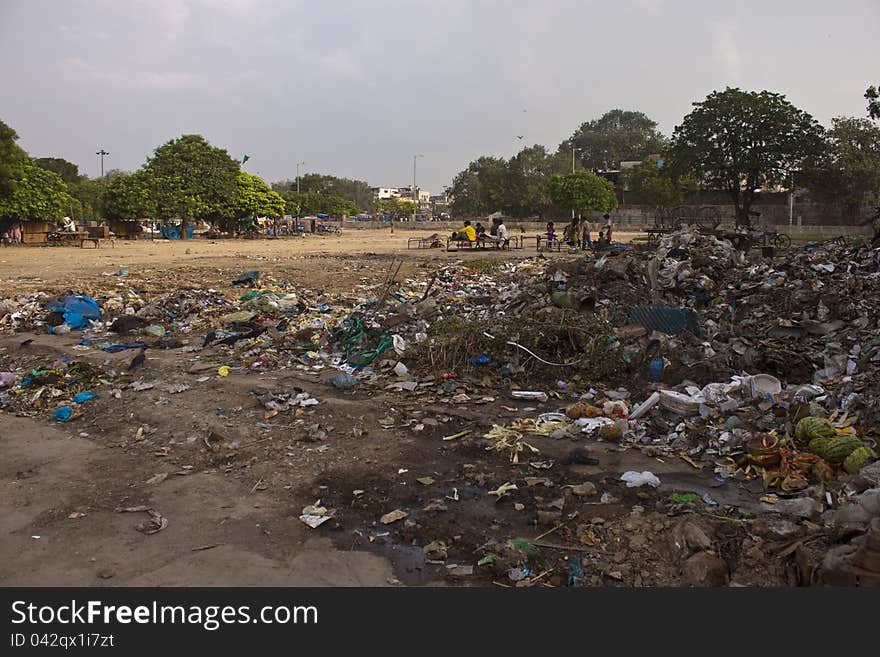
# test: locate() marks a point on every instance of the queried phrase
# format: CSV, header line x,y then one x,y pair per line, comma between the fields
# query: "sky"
x,y
356,88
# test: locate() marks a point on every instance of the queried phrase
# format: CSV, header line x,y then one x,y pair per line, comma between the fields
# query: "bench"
x,y
431,242
551,244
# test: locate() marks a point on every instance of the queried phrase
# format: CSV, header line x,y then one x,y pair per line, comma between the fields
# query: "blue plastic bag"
x,y
63,413
77,311
83,397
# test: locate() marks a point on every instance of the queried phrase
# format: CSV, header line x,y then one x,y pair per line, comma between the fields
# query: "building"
x,y
382,193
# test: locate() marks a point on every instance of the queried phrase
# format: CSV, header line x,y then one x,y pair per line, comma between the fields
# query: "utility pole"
x,y
415,193
102,153
573,150
297,175
791,200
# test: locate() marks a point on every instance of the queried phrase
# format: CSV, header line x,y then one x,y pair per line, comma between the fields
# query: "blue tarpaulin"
x,y
77,311
173,232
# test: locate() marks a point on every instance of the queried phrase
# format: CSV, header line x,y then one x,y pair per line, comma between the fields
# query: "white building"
x,y
386,192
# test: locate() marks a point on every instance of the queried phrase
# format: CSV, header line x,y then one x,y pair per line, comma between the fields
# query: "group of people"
x,y
497,232
577,236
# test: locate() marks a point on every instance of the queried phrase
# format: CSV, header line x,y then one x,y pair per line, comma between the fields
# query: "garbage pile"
x,y
758,370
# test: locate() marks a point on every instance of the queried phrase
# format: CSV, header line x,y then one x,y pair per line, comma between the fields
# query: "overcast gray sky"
x,y
356,87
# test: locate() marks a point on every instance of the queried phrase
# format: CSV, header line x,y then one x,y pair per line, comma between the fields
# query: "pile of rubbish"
x,y
759,369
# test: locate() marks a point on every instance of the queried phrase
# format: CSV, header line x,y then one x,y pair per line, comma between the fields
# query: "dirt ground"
x,y
233,482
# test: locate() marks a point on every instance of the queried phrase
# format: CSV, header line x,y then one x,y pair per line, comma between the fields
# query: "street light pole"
x,y
102,153
572,170
415,193
791,200
297,175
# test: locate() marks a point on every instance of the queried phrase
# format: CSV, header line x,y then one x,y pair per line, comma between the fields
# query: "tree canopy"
x,y
253,197
12,160
582,191
310,203
396,208
617,136
848,172
129,196
37,195
741,141
68,171
357,192
657,185
189,178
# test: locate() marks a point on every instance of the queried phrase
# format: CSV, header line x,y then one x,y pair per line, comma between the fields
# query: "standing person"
x,y
607,228
551,233
586,242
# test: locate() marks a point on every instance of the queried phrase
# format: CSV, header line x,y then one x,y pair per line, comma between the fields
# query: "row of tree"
x,y
735,141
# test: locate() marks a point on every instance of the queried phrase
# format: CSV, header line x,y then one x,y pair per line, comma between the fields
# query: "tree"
x,y
307,203
89,192
68,171
37,195
129,196
357,192
481,188
741,141
872,95
12,161
657,185
396,208
617,136
582,191
253,197
190,178
848,172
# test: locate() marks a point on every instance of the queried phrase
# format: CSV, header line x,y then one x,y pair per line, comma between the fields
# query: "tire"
x,y
782,241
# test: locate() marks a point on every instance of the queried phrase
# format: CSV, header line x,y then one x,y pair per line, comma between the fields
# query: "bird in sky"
x,y
519,136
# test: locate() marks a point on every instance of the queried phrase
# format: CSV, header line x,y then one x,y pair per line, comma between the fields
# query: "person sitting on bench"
x,y
498,234
465,234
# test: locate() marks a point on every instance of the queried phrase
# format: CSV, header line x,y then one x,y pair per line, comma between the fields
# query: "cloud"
x,y
726,52
75,68
340,63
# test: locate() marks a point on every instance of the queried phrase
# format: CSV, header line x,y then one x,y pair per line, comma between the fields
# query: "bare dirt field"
x,y
201,452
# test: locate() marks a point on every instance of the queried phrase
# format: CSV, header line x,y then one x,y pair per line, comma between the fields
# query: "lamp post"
x,y
102,153
415,193
791,199
297,175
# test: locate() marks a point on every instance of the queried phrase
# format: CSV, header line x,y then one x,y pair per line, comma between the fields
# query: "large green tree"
x,y
482,188
67,171
129,196
190,179
582,191
848,172
253,197
617,136
656,184
12,160
37,195
741,141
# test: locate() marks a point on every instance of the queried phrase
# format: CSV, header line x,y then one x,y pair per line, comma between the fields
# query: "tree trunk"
x,y
184,224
